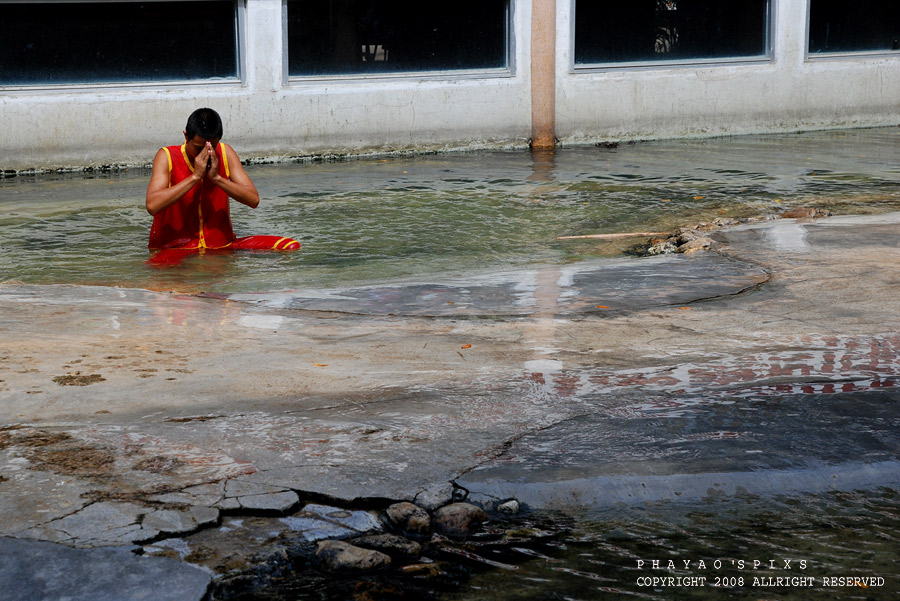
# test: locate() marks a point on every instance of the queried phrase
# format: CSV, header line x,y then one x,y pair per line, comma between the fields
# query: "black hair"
x,y
205,123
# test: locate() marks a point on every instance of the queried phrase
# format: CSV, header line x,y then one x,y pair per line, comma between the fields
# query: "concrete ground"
x,y
767,364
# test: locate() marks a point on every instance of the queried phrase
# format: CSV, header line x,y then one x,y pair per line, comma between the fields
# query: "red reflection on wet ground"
x,y
829,364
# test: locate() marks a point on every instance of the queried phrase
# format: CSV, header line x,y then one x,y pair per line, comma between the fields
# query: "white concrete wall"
x,y
266,117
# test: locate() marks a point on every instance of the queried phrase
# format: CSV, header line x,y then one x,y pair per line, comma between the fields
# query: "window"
x,y
354,37
857,26
47,43
610,31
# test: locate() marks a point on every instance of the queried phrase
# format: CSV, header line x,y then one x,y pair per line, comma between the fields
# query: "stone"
x,y
243,488
694,244
685,236
170,521
229,504
459,520
424,570
663,247
511,506
435,496
37,571
278,502
805,212
360,521
318,522
339,556
314,529
176,548
105,524
390,544
202,494
205,516
174,521
409,518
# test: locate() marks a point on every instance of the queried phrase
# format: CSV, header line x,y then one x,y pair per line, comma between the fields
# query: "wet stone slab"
x,y
39,571
173,521
100,524
690,448
318,522
630,284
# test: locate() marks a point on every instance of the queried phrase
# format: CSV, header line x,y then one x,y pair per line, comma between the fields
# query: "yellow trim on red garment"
x,y
225,160
200,213
186,159
169,156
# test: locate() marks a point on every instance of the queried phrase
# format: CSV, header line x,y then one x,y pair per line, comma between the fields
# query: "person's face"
x,y
195,146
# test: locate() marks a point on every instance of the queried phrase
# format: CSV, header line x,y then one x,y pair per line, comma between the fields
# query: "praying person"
x,y
189,190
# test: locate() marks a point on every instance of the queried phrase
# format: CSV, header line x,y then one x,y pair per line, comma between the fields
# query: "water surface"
x,y
383,219
739,547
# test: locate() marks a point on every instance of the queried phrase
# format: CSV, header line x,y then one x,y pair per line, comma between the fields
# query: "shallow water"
x,y
735,548
384,219
739,547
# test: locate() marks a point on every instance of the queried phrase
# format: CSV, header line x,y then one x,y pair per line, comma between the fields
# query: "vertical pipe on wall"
x,y
543,74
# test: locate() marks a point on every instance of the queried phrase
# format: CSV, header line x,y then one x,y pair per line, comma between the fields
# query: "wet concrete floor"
x,y
767,364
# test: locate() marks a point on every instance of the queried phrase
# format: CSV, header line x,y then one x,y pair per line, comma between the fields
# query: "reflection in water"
x,y
543,165
541,334
790,238
828,364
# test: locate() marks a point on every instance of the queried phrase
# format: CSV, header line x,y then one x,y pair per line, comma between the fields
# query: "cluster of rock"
x,y
692,239
806,213
683,240
414,529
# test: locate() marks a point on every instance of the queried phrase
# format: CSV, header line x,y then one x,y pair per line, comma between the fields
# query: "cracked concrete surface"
x,y
133,417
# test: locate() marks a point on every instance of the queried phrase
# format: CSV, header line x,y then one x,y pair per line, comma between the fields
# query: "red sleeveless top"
x,y
201,218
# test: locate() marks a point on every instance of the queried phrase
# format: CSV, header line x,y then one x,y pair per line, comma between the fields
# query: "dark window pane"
x,y
332,37
857,26
100,42
665,30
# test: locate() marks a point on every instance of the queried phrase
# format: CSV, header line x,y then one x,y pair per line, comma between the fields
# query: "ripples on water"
x,y
377,219
749,541
837,534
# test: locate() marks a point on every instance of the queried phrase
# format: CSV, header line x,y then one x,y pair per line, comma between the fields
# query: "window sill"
x,y
867,54
404,76
580,69
138,85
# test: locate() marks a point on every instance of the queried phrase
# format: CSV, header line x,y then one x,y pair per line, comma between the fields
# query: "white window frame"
x,y
844,54
460,74
767,57
240,51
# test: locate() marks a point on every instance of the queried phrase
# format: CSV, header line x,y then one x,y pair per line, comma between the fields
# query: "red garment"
x,y
201,218
171,257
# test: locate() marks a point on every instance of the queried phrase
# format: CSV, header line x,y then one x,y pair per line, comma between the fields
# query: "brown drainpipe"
x,y
543,74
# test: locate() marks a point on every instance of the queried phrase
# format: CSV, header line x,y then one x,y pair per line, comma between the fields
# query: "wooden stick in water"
x,y
611,236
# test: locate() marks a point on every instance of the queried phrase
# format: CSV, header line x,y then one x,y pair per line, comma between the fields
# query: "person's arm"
x,y
238,184
159,194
